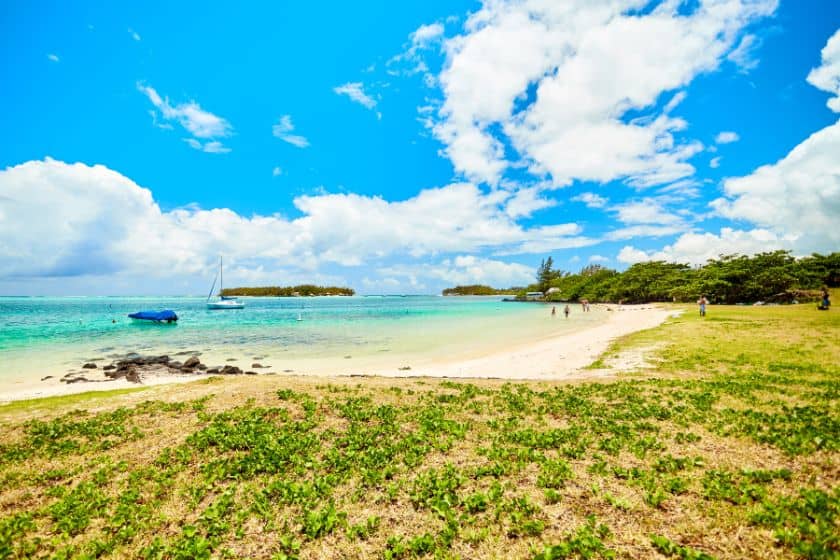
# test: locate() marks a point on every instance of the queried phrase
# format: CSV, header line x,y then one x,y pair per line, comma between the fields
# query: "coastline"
x,y
554,357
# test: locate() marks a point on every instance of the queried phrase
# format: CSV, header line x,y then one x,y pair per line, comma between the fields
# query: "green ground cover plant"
x,y
727,447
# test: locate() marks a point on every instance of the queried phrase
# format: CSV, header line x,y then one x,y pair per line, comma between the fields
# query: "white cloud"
x,y
591,200
678,98
283,130
598,259
645,211
276,172
525,202
59,219
411,60
632,232
589,63
211,147
714,163
697,248
798,196
53,57
466,269
426,34
745,55
215,147
356,92
201,124
827,76
134,34
727,137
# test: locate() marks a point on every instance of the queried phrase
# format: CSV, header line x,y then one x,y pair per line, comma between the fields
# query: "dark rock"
x,y
192,362
89,365
216,369
231,360
347,357
257,366
76,380
133,376
109,367
250,373
47,377
201,367
230,370
175,364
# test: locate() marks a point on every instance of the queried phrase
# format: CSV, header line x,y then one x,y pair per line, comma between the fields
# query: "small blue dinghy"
x,y
165,316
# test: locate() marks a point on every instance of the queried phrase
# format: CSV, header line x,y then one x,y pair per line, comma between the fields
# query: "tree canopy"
x,y
289,291
478,290
770,276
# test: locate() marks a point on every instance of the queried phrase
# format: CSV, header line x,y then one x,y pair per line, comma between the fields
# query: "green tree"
x,y
545,274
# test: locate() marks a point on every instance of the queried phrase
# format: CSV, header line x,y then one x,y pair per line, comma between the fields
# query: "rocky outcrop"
x,y
132,367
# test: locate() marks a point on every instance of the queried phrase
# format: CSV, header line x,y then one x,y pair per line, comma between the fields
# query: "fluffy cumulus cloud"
x,y
204,127
464,270
697,248
827,76
798,196
60,220
559,99
792,204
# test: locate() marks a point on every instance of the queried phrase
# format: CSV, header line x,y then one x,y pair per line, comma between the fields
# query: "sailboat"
x,y
224,302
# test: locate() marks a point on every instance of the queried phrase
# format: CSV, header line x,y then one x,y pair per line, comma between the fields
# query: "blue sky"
x,y
405,150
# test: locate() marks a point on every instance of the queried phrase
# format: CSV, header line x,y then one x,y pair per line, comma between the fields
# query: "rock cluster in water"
x,y
133,366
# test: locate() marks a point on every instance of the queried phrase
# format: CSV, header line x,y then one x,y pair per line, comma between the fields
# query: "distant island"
x,y
479,290
303,290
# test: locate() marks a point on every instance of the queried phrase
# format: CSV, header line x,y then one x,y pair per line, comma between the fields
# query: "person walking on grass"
x,y
702,302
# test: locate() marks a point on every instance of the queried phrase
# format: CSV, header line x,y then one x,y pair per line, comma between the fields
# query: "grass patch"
x,y
63,401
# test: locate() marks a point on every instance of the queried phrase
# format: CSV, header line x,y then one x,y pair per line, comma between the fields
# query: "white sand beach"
x,y
555,357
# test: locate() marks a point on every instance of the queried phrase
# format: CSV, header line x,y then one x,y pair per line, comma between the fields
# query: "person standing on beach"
x,y
702,302
567,310
553,310
826,301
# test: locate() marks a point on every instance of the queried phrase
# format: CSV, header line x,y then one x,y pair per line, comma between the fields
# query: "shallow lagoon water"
x,y
50,335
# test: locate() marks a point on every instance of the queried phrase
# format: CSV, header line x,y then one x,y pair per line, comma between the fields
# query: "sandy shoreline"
x,y
561,356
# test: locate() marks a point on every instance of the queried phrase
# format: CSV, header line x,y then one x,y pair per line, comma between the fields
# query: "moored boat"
x,y
224,302
165,316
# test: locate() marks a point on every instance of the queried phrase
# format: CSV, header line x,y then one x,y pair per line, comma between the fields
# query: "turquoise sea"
x,y
40,335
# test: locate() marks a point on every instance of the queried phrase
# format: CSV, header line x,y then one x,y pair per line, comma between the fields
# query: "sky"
x,y
407,148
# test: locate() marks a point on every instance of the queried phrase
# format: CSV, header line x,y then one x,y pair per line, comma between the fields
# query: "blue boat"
x,y
165,316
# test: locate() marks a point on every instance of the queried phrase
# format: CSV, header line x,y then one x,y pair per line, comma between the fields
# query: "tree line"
x,y
290,291
729,279
479,290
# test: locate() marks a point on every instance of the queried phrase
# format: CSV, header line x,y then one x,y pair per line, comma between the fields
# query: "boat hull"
x,y
225,304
